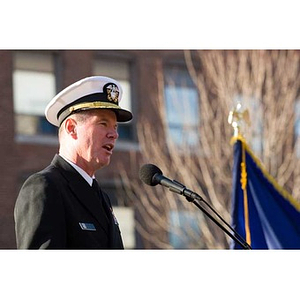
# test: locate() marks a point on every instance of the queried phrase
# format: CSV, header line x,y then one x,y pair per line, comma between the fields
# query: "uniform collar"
x,y
84,174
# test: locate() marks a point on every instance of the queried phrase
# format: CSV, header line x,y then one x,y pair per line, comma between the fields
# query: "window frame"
x,y
181,67
39,137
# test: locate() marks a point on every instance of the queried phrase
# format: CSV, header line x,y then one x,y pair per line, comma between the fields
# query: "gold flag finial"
x,y
237,117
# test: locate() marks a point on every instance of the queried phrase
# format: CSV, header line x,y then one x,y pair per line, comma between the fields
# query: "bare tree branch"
x,y
268,83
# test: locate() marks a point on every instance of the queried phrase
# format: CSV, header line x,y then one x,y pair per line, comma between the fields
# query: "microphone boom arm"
x,y
193,197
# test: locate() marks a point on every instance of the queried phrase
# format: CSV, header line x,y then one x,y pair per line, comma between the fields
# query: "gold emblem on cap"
x,y
112,93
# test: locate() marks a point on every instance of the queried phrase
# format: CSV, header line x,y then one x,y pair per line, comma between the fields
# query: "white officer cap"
x,y
93,92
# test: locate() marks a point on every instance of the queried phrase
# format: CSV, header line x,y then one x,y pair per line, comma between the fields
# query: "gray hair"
x,y
80,117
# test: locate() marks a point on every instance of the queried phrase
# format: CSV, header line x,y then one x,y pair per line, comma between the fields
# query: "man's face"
x,y
96,137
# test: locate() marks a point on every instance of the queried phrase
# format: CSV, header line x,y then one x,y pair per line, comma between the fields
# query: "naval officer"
x,y
62,206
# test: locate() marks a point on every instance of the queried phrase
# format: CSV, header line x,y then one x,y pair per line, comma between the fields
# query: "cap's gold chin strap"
x,y
85,106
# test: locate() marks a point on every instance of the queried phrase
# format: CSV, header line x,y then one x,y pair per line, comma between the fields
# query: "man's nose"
x,y
113,134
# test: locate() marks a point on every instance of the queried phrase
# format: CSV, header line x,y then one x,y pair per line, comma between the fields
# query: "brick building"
x,y
28,81
30,78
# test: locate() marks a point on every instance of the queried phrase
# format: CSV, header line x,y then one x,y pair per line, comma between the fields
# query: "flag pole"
x,y
237,119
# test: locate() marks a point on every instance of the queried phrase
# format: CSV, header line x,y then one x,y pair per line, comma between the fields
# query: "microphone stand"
x,y
193,197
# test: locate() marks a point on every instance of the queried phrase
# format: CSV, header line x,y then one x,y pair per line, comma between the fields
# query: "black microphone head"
x,y
147,173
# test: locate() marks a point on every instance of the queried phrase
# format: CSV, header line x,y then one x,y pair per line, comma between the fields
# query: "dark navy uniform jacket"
x,y
57,209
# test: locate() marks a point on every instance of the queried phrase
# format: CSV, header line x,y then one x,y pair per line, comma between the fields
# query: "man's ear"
x,y
71,127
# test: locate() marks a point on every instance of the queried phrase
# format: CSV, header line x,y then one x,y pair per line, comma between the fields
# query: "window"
x,y
33,87
119,70
125,217
185,229
182,107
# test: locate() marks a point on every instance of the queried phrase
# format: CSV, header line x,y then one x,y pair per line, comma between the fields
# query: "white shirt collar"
x,y
85,175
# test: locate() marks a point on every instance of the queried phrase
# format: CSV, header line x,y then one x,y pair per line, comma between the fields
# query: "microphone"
x,y
152,175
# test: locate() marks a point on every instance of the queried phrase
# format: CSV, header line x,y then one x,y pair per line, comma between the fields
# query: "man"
x,y
62,207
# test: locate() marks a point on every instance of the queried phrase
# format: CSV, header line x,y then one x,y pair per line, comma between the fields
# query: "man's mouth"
x,y
108,147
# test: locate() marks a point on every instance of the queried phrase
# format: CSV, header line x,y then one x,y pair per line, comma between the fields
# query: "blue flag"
x,y
263,213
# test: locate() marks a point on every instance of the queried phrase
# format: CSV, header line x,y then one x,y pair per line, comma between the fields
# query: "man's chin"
x,y
103,163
